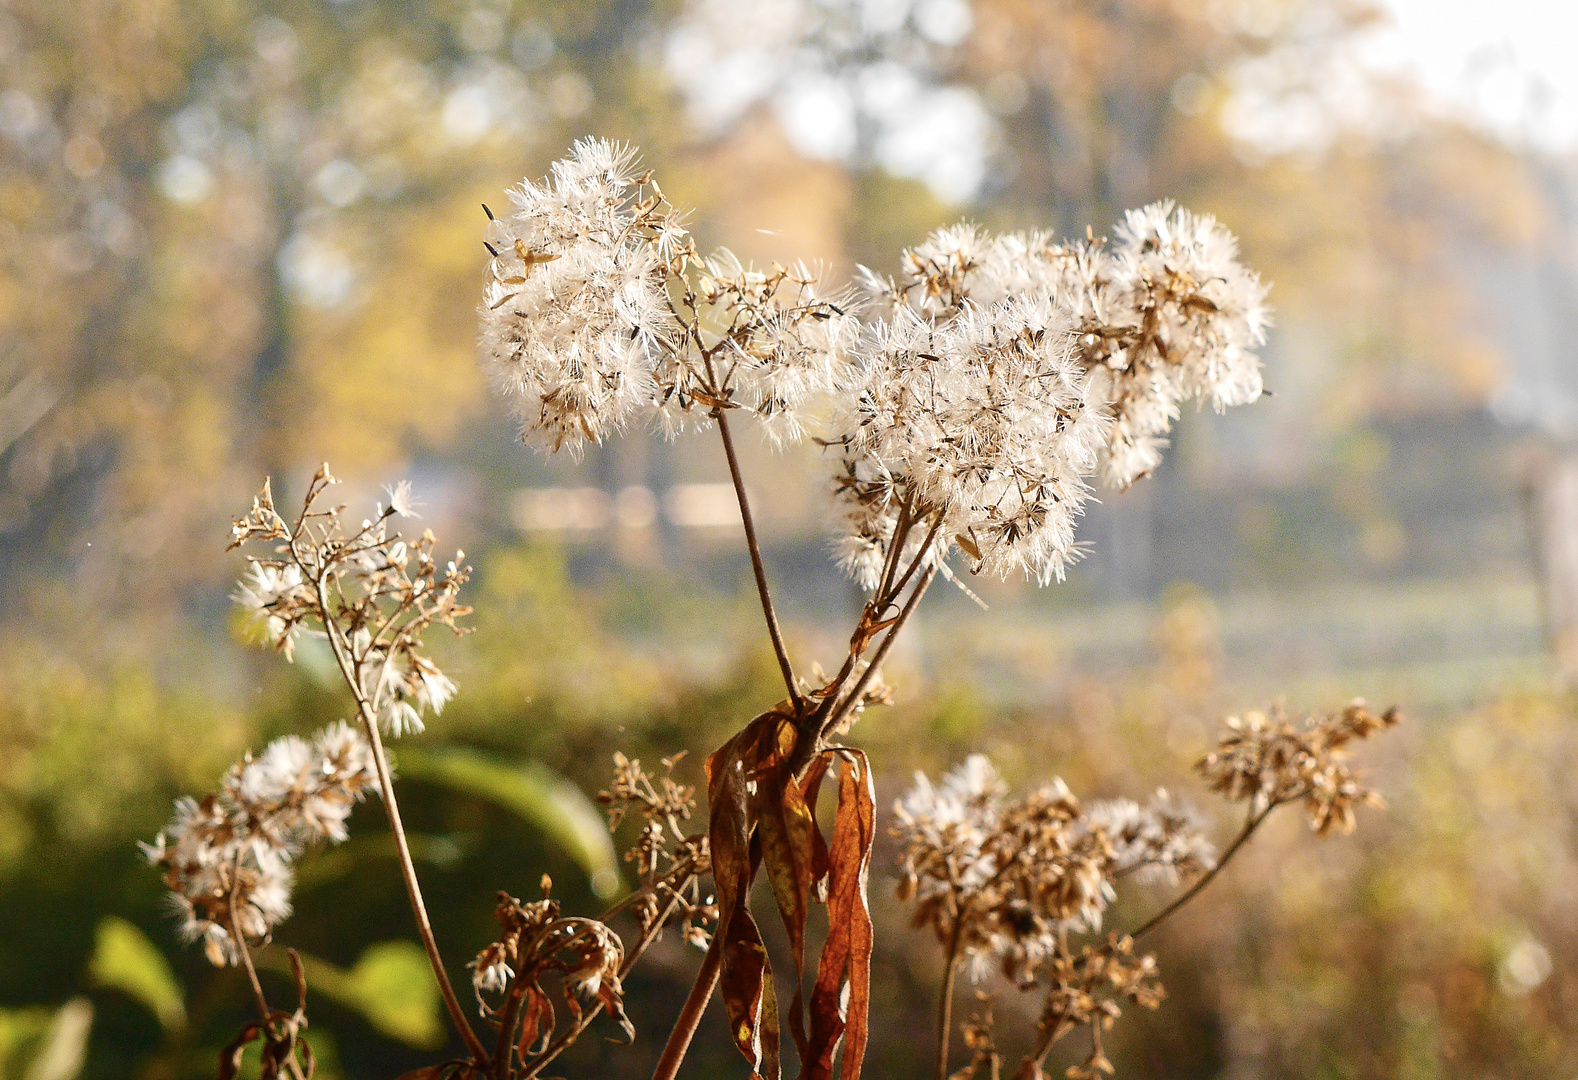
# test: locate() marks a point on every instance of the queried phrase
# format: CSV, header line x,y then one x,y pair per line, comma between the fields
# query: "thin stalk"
x,y
1251,823
257,986
920,557
246,962
945,998
1044,1043
504,1048
392,809
690,1016
850,699
756,561
901,533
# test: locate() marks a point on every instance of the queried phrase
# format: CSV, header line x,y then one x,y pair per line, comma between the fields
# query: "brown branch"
x,y
690,1016
264,1012
392,809
852,698
246,959
945,997
1044,1043
920,557
901,532
1251,823
757,567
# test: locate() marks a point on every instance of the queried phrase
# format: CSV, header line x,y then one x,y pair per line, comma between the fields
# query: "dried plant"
x,y
1016,882
964,409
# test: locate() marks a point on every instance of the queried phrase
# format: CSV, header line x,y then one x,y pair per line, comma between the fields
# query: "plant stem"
x,y
392,808
852,698
1251,823
690,1016
756,561
257,986
246,962
945,998
1044,1043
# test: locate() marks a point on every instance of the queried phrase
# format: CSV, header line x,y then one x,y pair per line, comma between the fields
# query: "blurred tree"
x,y
240,237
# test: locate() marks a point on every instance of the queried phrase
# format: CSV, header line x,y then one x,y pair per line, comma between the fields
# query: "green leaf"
x,y
538,794
391,986
125,960
64,1045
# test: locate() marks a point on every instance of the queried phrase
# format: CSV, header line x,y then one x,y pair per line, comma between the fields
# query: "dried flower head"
x,y
770,343
574,304
227,858
598,309
981,427
668,862
370,592
1007,879
536,940
1165,314
1084,989
1268,759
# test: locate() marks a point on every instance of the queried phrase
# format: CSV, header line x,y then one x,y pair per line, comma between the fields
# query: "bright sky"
x,y
1512,62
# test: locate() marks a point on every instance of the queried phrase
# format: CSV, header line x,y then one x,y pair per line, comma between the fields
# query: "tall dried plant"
x,y
964,408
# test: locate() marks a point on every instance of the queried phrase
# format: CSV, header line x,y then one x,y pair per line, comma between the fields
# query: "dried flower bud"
x,y
1267,759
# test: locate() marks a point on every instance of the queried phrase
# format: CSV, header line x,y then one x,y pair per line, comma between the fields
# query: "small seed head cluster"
x,y
1085,989
574,299
668,862
980,425
1005,880
1268,759
370,592
771,343
227,858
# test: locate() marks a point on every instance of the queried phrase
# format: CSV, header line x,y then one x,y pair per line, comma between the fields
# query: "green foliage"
x,y
45,1044
125,960
391,986
542,798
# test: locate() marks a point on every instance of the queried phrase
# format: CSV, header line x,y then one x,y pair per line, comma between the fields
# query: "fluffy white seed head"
x,y
573,301
983,421
227,858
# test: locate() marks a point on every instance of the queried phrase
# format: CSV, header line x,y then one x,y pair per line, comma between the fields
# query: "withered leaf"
x,y
845,965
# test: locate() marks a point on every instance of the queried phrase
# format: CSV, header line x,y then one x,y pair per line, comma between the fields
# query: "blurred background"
x,y
242,238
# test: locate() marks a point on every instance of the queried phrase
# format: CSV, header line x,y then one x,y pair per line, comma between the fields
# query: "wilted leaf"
x,y
533,791
125,960
846,957
748,760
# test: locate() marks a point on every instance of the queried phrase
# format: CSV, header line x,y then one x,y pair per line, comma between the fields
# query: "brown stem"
x,y
852,698
1251,823
945,998
901,532
392,809
246,962
757,567
504,1048
264,1013
690,1016
1044,1043
920,557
